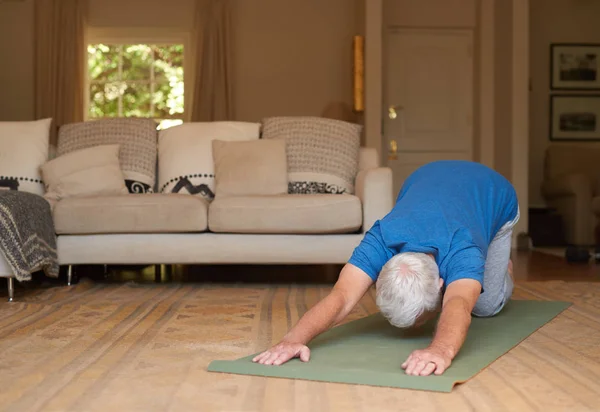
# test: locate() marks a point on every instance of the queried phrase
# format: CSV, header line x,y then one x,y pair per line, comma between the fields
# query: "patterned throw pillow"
x,y
137,138
23,150
322,154
185,157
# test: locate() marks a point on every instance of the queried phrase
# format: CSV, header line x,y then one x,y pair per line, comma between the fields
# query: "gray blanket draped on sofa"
x,y
27,237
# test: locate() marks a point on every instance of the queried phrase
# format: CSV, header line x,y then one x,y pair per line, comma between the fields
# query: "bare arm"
x,y
455,319
451,332
351,286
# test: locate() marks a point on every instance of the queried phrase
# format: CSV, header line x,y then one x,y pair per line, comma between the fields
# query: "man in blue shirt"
x,y
445,246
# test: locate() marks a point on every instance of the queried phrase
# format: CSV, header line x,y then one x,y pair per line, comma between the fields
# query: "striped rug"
x,y
132,347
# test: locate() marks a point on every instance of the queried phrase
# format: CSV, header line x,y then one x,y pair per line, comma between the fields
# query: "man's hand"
x,y
459,300
352,284
283,352
427,361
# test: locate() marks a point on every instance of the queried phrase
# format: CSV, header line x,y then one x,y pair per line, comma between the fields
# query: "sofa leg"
x,y
157,273
11,289
169,272
69,275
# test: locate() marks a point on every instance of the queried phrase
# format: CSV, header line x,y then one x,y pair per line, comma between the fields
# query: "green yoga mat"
x,y
369,351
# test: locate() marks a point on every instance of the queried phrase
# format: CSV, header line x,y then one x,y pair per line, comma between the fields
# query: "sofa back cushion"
x,y
185,155
23,149
136,137
322,154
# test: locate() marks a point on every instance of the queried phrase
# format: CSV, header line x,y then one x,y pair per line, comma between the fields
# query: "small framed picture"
x,y
575,117
574,66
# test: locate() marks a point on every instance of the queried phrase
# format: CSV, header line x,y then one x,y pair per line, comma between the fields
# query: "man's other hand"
x,y
427,361
283,352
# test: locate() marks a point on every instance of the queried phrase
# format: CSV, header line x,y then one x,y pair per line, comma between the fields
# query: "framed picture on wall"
x,y
574,66
575,117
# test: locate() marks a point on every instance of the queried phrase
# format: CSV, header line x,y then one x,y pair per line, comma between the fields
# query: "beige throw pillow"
x,y
86,172
245,168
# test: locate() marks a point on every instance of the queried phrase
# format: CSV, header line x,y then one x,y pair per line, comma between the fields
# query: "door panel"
x,y
428,98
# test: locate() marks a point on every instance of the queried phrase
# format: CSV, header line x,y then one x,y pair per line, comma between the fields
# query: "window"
x,y
137,80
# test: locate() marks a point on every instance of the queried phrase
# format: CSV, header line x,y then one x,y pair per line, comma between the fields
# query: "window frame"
x,y
110,35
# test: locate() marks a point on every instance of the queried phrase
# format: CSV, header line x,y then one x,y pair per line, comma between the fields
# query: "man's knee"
x,y
487,310
490,305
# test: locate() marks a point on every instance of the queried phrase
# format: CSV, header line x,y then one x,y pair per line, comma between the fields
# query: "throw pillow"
x,y
87,172
322,154
250,168
185,155
23,149
136,138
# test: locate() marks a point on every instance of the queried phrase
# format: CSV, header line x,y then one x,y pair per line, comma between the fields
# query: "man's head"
x,y
409,289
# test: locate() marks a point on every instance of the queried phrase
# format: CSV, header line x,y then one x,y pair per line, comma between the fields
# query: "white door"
x,y
428,98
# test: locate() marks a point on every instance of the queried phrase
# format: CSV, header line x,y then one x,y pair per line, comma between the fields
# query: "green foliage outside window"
x,y
137,80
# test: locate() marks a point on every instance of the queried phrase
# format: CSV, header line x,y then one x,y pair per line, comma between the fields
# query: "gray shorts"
x,y
497,283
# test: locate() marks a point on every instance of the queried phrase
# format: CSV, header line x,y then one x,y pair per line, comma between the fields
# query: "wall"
x,y
503,82
552,21
291,58
141,13
16,69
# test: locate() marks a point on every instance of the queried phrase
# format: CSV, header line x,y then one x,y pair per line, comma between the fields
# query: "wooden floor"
x,y
124,343
534,266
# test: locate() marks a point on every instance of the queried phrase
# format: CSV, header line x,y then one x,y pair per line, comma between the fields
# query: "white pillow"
x,y
185,160
95,171
23,149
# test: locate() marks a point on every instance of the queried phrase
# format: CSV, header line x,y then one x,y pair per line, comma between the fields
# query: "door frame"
x,y
374,29
520,110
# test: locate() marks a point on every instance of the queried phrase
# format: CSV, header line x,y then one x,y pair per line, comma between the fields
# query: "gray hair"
x,y
408,286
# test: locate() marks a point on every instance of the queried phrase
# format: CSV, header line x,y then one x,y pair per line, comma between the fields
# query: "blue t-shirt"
x,y
451,209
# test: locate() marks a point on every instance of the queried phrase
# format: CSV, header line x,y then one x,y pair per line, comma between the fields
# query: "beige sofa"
x,y
184,229
572,186
125,226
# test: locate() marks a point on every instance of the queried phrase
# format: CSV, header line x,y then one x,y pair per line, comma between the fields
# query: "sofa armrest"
x,y
374,188
568,185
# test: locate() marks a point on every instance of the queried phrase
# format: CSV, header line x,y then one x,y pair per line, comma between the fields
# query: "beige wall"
x,y
503,88
552,21
141,13
292,58
16,55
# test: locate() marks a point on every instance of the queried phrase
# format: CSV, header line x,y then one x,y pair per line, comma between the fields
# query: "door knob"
x,y
393,111
393,150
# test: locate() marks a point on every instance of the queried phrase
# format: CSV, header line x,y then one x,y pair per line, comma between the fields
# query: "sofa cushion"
x,y
136,137
185,157
94,171
285,214
251,168
322,153
132,213
23,149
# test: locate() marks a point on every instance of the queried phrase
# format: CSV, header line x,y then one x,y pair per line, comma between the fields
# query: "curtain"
x,y
60,61
212,96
